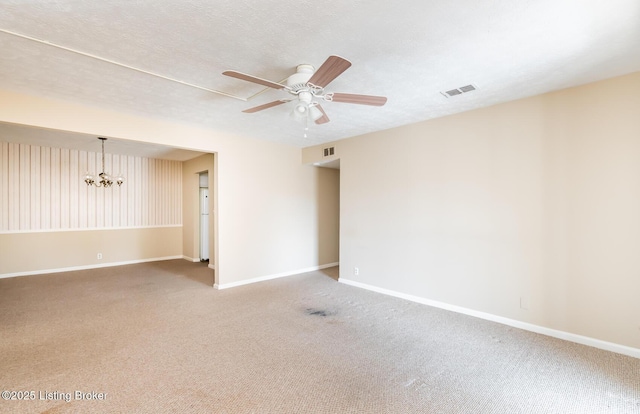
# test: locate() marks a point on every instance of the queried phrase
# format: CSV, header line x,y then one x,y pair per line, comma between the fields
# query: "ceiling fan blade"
x,y
330,69
254,79
324,118
359,99
266,106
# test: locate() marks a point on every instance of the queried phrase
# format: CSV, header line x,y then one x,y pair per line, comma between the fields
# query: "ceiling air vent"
x,y
329,151
459,91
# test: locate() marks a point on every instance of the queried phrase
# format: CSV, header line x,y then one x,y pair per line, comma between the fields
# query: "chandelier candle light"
x,y
105,179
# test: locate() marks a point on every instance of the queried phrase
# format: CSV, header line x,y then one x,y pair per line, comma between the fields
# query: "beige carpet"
x,y
156,338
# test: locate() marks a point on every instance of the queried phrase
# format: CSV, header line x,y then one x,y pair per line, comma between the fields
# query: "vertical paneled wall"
x,y
41,188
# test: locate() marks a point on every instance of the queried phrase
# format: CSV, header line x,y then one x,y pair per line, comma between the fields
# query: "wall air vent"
x,y
329,151
459,91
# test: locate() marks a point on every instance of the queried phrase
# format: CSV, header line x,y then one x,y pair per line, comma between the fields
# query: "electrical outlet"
x,y
356,271
524,303
99,256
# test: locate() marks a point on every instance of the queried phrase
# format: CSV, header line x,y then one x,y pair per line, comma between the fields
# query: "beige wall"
x,y
269,211
534,200
22,253
267,201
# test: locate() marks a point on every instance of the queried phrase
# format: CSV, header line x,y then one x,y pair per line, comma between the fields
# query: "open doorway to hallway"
x,y
199,210
204,216
329,217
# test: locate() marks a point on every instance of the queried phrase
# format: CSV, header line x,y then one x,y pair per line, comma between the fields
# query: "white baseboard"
x,y
86,267
211,266
274,276
567,336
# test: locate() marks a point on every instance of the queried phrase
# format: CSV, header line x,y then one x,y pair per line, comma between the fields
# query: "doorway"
x,y
328,193
204,217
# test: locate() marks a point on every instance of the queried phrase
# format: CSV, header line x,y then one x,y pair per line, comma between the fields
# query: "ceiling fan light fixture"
x,y
301,108
298,116
315,113
304,102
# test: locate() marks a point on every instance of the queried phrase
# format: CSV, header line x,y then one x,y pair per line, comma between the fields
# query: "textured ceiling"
x,y
83,142
408,51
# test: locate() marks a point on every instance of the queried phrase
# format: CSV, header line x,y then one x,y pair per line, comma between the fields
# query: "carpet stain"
x,y
317,312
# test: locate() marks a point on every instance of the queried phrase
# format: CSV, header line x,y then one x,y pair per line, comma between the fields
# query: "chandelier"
x,y
105,179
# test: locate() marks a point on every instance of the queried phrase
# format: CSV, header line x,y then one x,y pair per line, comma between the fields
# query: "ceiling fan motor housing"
x,y
299,79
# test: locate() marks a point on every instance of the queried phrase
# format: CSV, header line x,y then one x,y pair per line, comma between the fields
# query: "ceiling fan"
x,y
307,85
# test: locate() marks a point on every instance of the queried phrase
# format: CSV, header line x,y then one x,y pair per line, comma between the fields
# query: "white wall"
x,y
535,200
